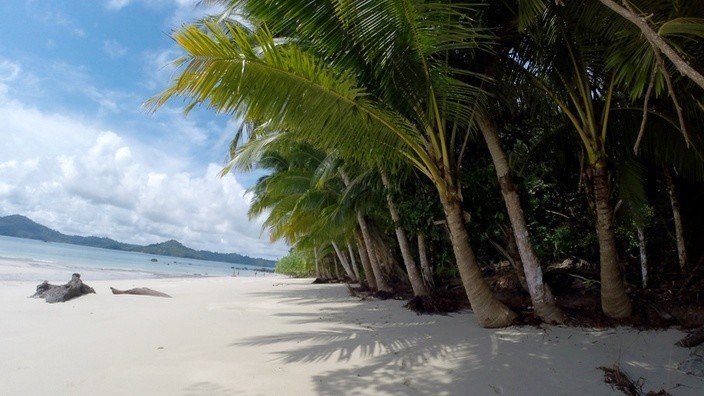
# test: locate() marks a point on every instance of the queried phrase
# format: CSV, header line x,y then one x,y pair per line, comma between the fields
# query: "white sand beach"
x,y
278,336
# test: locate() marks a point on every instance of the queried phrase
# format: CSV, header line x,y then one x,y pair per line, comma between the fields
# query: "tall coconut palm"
x,y
645,17
581,57
562,63
414,275
391,91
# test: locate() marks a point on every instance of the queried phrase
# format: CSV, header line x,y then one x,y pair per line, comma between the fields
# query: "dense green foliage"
x,y
594,139
296,264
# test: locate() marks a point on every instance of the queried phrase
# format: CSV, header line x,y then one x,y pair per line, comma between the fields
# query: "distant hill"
x,y
23,227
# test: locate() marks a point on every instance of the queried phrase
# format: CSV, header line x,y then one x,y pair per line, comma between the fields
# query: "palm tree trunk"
x,y
490,312
337,269
515,257
364,256
614,300
425,269
540,293
353,262
376,277
343,261
384,254
643,255
379,276
677,216
317,266
414,276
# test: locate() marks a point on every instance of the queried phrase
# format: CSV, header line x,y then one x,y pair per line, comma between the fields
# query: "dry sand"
x,y
267,336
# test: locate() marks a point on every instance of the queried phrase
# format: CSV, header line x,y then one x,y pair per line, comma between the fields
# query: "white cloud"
x,y
182,10
9,70
79,177
50,15
114,49
117,4
159,68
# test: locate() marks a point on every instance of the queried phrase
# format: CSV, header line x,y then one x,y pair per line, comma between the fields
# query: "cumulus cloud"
x,y
81,178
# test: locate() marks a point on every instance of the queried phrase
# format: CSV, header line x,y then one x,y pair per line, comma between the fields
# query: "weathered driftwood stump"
x,y
60,293
140,291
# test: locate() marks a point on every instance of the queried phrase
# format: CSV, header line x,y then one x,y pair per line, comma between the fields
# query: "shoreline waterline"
x,y
34,260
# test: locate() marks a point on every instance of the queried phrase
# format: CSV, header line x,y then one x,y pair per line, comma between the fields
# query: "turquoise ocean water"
x,y
32,260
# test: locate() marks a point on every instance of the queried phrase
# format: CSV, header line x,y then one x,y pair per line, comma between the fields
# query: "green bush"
x,y
295,264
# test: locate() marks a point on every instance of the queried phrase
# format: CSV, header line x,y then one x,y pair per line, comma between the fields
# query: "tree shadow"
x,y
377,347
208,389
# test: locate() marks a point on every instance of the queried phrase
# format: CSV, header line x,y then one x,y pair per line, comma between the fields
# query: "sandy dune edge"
x,y
264,336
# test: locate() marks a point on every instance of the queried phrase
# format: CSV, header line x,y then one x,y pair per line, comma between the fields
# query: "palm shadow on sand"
x,y
397,351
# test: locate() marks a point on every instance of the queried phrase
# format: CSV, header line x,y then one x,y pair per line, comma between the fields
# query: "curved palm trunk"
x,y
490,312
364,256
337,269
379,276
384,255
614,300
353,262
317,266
540,293
344,262
425,268
414,276
514,257
643,255
677,217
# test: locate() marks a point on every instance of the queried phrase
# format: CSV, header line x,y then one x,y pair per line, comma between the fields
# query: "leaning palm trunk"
x,y
384,255
643,255
676,214
425,268
379,276
317,266
490,312
364,256
353,262
540,293
614,300
337,269
344,262
514,257
414,275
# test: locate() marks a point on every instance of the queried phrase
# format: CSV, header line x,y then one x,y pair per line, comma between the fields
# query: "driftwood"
x,y
61,293
140,291
693,339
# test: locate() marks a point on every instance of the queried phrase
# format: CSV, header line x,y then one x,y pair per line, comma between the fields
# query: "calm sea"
x,y
31,260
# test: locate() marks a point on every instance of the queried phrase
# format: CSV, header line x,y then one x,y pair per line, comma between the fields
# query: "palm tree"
x,y
414,276
563,65
392,91
586,60
298,208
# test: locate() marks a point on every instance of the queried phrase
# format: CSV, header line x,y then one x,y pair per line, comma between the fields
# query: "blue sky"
x,y
79,152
